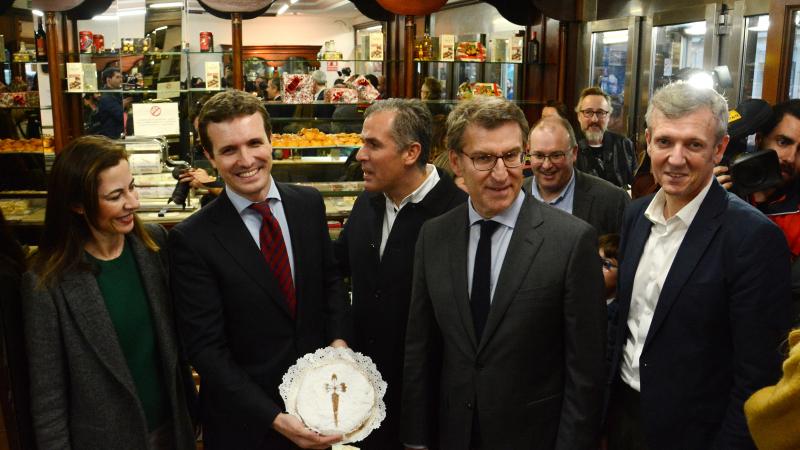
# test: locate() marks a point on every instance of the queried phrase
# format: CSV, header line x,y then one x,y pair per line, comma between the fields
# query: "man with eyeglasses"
x,y
603,153
555,181
506,331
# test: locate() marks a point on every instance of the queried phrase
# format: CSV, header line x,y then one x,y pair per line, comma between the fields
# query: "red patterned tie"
x,y
274,250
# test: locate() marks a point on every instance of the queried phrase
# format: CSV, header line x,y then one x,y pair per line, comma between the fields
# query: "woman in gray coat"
x,y
104,358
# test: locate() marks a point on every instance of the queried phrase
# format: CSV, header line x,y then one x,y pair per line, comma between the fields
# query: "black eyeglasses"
x,y
608,264
484,162
588,113
554,157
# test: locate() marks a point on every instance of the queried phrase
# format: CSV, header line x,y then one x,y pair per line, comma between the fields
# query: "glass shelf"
x,y
43,108
465,62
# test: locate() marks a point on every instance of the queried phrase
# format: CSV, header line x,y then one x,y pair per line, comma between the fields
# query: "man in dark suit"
x,y
553,152
246,315
376,247
506,328
703,291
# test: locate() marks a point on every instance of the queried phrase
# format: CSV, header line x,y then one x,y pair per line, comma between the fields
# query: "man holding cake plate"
x,y
254,283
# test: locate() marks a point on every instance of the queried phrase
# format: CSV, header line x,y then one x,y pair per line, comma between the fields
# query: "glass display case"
x,y
676,49
612,51
470,50
794,45
753,58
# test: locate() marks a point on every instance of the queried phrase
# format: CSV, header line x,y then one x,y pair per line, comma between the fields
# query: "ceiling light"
x,y
615,37
695,29
37,13
702,80
282,9
166,5
762,25
131,12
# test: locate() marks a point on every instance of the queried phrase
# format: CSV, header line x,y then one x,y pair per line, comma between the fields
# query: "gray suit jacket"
x,y
535,379
596,201
82,392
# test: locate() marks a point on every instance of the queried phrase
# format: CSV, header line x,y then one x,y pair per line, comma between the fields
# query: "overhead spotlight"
x,y
702,80
166,5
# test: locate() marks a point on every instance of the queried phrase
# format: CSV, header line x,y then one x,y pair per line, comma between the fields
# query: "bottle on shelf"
x,y
41,43
533,49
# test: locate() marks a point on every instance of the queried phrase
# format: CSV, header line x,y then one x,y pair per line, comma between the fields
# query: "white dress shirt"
x,y
500,240
666,236
417,196
252,219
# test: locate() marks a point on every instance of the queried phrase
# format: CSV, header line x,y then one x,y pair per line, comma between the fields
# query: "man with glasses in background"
x,y
506,332
555,181
603,153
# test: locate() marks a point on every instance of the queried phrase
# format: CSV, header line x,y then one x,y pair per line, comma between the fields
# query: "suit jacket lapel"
x,y
524,245
83,297
583,199
233,236
698,237
378,204
457,255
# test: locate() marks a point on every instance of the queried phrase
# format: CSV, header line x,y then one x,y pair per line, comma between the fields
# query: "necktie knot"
x,y
262,208
488,227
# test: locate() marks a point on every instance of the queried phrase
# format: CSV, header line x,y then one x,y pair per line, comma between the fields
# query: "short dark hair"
x,y
791,107
108,72
609,244
412,123
373,80
594,90
74,182
226,106
485,112
560,107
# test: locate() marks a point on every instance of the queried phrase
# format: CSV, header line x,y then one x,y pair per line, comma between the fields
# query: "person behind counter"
x,y
111,106
104,359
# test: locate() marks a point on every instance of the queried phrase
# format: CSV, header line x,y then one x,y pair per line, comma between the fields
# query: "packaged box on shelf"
x,y
213,75
366,91
516,50
501,50
19,99
486,89
376,46
447,47
81,77
341,95
297,88
471,51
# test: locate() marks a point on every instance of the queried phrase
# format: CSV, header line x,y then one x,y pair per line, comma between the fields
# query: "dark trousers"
x,y
625,427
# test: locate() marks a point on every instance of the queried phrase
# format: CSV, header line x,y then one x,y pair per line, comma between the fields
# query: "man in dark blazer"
x,y
244,321
376,247
703,291
506,328
553,152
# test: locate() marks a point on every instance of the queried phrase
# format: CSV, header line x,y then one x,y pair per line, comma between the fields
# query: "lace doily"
x,y
335,391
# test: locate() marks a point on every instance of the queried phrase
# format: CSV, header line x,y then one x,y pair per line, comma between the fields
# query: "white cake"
x,y
335,398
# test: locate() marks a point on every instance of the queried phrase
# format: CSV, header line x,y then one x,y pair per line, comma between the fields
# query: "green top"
x,y
123,292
